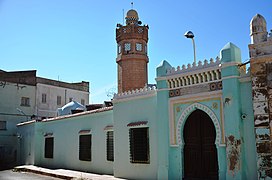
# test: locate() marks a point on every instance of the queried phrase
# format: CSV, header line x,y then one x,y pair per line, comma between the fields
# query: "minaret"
x,y
258,31
260,51
132,56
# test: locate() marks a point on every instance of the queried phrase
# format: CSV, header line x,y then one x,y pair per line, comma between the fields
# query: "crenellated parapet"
x,y
142,92
192,74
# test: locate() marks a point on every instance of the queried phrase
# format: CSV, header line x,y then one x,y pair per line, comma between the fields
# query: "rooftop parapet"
x,y
192,74
193,67
146,91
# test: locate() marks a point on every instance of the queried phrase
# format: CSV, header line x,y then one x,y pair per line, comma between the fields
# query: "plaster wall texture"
x,y
163,124
232,110
66,142
249,163
26,144
10,95
126,112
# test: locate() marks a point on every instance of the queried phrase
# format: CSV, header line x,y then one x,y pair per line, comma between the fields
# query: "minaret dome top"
x,y
132,17
257,24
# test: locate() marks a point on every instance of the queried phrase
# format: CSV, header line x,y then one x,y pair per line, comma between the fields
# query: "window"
x,y
145,49
3,125
127,46
138,47
85,147
119,48
58,100
83,102
139,145
43,98
49,147
25,101
110,151
70,99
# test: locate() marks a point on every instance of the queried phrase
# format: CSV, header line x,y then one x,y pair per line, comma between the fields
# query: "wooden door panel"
x,y
200,153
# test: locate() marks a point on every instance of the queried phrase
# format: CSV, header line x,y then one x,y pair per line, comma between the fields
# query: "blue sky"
x,y
74,40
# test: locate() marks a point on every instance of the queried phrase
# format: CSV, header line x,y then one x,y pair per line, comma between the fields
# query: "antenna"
x,y
123,16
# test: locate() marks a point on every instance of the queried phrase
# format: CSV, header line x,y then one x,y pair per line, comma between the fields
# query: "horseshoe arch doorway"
x,y
200,153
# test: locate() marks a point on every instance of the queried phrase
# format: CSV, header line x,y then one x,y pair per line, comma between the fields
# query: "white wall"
x,y
49,109
66,142
10,100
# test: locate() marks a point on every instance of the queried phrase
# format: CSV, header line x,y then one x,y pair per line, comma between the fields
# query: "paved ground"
x,y
62,173
11,175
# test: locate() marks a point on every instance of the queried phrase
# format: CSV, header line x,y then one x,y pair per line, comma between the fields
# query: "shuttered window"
x,y
49,147
85,147
110,151
139,145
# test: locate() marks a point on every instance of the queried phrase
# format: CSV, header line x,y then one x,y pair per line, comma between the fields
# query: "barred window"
x,y
49,147
110,145
3,125
43,98
139,145
58,100
83,102
85,147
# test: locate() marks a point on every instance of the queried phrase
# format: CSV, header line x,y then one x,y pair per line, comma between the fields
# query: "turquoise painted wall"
x,y
163,121
125,112
26,143
66,142
249,162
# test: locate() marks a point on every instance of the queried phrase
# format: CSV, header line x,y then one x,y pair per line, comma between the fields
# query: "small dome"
x,y
257,24
132,17
132,14
69,107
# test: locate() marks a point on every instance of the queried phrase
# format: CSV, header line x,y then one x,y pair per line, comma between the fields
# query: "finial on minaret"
x,y
131,5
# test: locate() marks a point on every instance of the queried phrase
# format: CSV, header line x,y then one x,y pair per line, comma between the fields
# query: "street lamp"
x,y
190,35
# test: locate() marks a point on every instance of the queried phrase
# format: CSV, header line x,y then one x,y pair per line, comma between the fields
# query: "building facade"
x,y
24,96
210,120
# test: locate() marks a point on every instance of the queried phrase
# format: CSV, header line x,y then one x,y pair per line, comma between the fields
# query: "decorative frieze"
x,y
214,86
193,75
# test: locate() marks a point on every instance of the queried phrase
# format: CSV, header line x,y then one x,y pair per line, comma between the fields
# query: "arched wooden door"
x,y
200,153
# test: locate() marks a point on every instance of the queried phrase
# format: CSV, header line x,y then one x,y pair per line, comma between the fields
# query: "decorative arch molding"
x,y
187,112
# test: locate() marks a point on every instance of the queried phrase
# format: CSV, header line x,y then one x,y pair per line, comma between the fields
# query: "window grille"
x,y
49,147
83,102
58,100
110,145
3,125
43,98
85,147
139,145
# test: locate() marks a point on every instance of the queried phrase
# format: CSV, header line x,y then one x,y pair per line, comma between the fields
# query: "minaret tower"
x,y
132,56
258,31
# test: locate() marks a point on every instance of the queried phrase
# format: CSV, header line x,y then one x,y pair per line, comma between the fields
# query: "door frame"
x,y
219,143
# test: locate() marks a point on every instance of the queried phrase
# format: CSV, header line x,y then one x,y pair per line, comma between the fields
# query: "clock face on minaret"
x,y
132,58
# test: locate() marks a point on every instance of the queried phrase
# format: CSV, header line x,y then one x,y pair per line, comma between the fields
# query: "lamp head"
x,y
189,34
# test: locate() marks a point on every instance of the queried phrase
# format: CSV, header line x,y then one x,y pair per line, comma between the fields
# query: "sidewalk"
x,y
64,174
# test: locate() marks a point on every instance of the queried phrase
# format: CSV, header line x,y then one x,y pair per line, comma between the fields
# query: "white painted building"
x,y
25,96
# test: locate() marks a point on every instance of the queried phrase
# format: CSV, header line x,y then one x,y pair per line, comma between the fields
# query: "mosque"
x,y
207,120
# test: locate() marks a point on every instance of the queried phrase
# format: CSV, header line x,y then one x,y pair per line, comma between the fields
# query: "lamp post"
x,y
190,35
